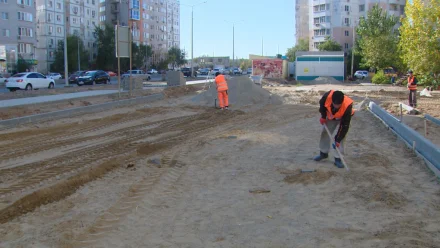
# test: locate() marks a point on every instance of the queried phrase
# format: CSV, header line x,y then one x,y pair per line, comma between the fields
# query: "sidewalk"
x,y
51,98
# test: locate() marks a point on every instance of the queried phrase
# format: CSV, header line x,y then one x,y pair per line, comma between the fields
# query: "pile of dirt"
x,y
173,92
242,92
325,80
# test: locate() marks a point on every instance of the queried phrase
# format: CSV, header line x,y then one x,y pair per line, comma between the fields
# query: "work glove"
x,y
336,144
323,121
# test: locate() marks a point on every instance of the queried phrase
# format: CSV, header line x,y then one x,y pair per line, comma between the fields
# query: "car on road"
x,y
204,71
94,77
112,74
214,71
29,81
73,78
236,71
54,75
135,72
2,80
361,74
152,71
187,72
249,71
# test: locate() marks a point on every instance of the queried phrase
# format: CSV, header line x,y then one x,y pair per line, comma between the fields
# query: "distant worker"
x,y
222,90
412,86
336,109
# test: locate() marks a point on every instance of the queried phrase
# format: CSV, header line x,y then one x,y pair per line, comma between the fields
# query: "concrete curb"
x,y
420,145
432,119
79,110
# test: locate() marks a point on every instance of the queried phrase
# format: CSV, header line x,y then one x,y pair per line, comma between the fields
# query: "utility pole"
x,y
66,66
352,52
233,45
192,40
79,60
119,60
262,46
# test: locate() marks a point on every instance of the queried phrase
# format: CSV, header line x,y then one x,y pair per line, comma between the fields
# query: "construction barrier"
x,y
432,119
76,111
429,151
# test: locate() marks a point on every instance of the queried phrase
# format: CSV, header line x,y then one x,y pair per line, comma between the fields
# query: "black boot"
x,y
321,156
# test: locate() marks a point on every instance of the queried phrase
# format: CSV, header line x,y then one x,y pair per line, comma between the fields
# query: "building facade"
x,y
302,20
17,37
153,22
339,18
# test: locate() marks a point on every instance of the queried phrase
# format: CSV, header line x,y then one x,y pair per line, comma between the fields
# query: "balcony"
x,y
115,10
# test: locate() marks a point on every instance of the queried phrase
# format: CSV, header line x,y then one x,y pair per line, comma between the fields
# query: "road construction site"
x,y
179,173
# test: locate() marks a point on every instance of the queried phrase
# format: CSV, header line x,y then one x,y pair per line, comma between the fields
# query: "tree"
x,y
378,39
245,64
329,45
73,44
22,65
303,45
105,40
176,57
420,36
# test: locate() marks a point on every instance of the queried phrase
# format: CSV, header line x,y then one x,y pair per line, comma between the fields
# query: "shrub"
x,y
381,78
429,80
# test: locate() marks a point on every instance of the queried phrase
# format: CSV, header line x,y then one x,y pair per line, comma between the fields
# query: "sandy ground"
x,y
167,174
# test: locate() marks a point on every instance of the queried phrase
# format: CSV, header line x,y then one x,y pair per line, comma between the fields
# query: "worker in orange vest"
x,y
222,90
412,87
336,110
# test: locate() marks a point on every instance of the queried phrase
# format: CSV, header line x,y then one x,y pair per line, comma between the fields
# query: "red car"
x,y
112,74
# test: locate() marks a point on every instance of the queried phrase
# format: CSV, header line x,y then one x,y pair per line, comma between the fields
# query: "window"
x,y
23,16
93,2
88,12
25,2
135,4
93,13
145,25
346,33
322,7
102,1
75,10
316,8
346,45
49,17
144,5
51,41
25,32
362,8
50,29
50,4
3,1
402,9
5,32
58,5
59,30
347,8
51,54
102,18
5,15
59,18
347,21
102,9
24,48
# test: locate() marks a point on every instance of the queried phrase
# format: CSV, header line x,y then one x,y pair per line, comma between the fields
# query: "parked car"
x,y
94,77
204,71
152,71
54,75
29,81
236,71
112,74
135,72
214,71
361,74
73,79
2,80
187,72
249,71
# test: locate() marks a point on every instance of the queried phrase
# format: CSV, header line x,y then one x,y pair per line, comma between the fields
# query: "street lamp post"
x,y
233,40
192,34
79,61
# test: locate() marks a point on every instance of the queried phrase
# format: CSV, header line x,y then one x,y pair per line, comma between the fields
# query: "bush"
x,y
429,80
381,78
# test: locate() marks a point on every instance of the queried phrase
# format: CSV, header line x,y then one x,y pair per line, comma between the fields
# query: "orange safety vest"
x,y
410,81
221,83
338,115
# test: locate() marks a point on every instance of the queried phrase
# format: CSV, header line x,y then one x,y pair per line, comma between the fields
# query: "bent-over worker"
x,y
222,90
336,110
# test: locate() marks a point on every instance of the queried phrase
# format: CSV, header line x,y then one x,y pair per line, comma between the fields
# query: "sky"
x,y
256,20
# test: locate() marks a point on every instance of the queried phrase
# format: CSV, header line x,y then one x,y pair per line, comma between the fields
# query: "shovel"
x,y
337,148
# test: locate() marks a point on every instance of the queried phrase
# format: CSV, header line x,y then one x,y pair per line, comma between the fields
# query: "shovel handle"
x,y
337,149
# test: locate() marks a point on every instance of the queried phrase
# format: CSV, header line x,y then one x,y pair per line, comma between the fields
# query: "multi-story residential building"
x,y
153,22
17,33
50,20
302,20
338,19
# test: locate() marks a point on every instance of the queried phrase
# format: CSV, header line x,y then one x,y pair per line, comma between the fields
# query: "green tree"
x,y
22,65
378,39
329,45
74,44
303,45
420,36
245,64
105,40
176,57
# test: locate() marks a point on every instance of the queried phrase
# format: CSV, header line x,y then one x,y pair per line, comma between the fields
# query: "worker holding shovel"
x,y
222,90
336,110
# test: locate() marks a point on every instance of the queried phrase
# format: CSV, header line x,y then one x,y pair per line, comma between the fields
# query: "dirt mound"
x,y
242,92
172,92
325,80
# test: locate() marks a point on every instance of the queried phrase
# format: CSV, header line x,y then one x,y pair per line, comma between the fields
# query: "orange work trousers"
x,y
223,98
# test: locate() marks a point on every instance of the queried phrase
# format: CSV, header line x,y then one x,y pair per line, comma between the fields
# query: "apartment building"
x,y
17,33
302,20
153,22
339,18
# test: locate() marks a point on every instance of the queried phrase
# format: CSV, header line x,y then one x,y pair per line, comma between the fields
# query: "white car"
x,y
2,80
152,71
135,72
29,81
54,76
361,74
